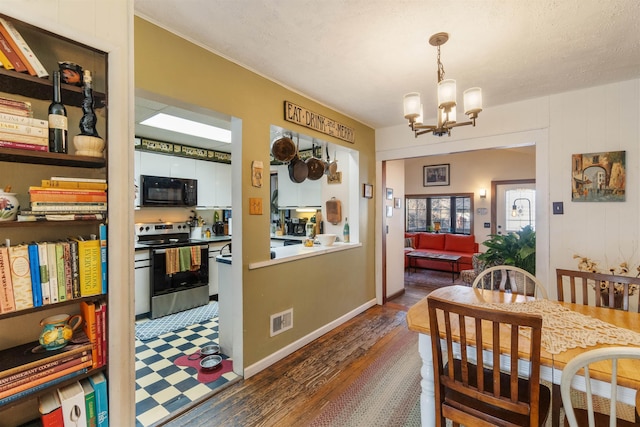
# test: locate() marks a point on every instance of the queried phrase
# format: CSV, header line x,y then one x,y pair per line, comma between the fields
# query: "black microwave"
x,y
165,191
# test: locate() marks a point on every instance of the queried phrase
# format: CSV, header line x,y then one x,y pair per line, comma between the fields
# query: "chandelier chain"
x,y
440,67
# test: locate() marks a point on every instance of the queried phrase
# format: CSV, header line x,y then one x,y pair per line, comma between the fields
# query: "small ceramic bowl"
x,y
326,239
211,363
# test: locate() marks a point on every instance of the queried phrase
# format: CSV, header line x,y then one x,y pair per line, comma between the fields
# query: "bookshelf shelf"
x,y
53,159
12,224
73,301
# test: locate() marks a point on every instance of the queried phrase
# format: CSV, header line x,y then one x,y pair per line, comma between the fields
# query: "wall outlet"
x,y
281,322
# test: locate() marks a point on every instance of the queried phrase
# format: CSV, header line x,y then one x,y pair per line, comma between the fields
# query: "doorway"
x,y
513,205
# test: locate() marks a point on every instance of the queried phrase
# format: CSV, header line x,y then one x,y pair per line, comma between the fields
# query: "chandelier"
x,y
446,101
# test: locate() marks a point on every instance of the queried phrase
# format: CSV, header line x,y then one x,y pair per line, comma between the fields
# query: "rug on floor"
x,y
156,327
386,393
430,278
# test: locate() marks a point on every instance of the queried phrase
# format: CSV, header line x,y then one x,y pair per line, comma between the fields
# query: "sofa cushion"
x,y
431,241
459,243
409,242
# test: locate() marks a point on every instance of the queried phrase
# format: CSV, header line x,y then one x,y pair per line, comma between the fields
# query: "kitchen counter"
x,y
212,239
288,237
295,252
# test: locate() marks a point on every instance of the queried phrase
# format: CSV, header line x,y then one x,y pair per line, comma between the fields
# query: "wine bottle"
x,y
57,119
345,231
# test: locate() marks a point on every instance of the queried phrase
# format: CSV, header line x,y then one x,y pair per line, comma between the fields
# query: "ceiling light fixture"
x,y
188,127
446,101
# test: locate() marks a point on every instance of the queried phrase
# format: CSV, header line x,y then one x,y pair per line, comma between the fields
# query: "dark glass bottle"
x,y
57,119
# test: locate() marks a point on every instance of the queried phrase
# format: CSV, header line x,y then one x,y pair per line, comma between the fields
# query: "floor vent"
x,y
281,322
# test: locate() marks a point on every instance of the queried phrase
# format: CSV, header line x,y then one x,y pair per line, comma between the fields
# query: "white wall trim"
x,y
249,371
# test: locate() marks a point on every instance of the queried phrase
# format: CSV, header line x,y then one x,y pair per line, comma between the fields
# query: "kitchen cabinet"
x,y
223,185
207,185
142,282
291,195
166,165
24,168
214,251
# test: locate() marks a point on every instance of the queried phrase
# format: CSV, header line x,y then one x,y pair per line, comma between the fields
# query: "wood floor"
x,y
294,390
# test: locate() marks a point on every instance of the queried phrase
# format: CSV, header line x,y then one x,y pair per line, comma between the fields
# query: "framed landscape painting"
x,y
435,175
598,177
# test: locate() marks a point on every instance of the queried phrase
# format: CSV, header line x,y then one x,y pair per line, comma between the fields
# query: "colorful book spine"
x,y
6,64
103,256
18,359
77,362
34,267
50,410
7,302
99,383
49,183
99,354
88,310
45,366
75,271
69,207
53,272
64,198
11,54
44,384
68,277
44,273
21,276
66,191
27,121
44,380
103,315
90,402
62,281
24,138
21,44
23,146
90,267
27,217
19,129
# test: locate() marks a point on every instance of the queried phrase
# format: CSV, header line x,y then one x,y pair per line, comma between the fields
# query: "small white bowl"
x,y
326,239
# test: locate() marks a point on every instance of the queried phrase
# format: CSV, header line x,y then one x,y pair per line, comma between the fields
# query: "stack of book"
x,y
89,395
19,129
28,368
42,273
63,198
15,53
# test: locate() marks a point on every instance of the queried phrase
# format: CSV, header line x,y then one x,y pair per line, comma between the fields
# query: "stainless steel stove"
x,y
173,291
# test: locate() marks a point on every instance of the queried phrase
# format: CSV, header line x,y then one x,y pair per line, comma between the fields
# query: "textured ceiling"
x,y
361,56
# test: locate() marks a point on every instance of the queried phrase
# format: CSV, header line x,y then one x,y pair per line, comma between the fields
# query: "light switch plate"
x,y
558,208
255,206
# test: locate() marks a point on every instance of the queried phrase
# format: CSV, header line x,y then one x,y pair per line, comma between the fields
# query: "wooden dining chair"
x,y
467,390
597,289
576,373
520,281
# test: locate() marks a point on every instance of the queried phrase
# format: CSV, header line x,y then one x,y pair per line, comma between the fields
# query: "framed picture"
x,y
598,177
336,178
367,191
389,193
389,211
435,175
397,203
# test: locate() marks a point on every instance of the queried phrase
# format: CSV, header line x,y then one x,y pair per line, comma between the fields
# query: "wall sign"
x,y
182,150
299,115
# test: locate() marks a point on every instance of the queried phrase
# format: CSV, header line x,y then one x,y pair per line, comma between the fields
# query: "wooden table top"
x,y
628,371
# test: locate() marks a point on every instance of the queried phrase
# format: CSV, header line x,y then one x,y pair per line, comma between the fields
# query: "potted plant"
x,y
516,248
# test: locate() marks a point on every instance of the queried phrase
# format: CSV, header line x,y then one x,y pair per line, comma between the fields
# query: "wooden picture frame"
x,y
367,191
397,203
389,193
435,175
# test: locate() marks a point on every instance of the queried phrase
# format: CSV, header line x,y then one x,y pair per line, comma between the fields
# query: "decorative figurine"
x,y
88,143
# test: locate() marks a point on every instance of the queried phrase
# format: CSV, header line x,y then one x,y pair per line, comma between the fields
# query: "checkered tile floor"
x,y
161,386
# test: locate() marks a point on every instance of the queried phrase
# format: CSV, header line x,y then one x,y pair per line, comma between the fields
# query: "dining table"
x,y
568,330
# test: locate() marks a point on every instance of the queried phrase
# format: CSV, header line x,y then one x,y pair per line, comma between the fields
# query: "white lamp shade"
x,y
412,105
472,100
447,94
420,118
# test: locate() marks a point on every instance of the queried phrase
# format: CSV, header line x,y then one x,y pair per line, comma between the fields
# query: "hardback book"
x,y
73,406
63,197
45,368
24,138
99,331
19,111
90,402
88,310
71,179
90,267
34,266
38,387
52,263
6,64
44,273
23,146
62,280
67,191
69,206
103,316
50,410
21,44
31,217
29,376
103,256
99,383
31,355
80,185
11,54
7,302
75,269
27,121
21,276
68,275
20,129
44,380
15,104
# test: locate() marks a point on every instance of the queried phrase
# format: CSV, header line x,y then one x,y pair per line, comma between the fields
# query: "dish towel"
x,y
185,258
172,262
195,258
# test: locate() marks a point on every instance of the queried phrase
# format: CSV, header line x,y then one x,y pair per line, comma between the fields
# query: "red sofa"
x,y
451,244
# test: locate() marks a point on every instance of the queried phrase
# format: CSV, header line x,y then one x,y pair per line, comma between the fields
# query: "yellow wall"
x,y
319,289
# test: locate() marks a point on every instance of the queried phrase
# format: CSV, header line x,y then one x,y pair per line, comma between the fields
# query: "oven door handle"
x,y
161,251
